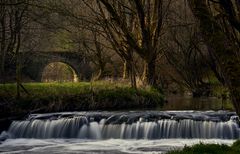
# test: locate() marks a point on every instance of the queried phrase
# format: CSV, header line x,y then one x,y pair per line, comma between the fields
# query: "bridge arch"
x,y
36,62
59,72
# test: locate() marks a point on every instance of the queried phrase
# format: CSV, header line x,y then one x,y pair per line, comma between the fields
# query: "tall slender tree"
x,y
12,21
224,49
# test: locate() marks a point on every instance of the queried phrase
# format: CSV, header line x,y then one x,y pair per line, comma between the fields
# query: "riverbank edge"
x,y
209,149
85,96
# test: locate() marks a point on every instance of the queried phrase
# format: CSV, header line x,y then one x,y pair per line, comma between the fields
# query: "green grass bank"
x,y
210,149
82,96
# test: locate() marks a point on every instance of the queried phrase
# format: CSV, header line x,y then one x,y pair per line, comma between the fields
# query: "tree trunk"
x,y
129,72
101,70
18,69
149,73
2,52
99,75
223,49
2,71
125,69
132,73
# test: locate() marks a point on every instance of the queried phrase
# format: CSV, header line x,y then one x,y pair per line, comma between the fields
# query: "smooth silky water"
x,y
119,132
123,132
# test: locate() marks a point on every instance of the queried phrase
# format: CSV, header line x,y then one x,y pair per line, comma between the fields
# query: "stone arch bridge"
x,y
35,62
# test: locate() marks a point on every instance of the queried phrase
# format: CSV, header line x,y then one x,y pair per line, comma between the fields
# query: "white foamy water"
x,y
111,146
148,132
128,125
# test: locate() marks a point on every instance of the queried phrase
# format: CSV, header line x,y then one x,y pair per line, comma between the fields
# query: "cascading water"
x,y
128,125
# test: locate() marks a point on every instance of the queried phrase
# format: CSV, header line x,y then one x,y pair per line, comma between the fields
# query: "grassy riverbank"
x,y
210,149
54,97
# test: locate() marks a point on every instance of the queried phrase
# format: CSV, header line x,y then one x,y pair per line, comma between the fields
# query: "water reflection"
x,y
189,103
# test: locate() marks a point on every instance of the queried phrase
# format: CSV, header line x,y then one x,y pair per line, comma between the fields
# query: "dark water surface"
x,y
201,104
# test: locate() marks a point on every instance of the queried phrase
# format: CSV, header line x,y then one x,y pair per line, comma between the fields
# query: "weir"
x,y
129,125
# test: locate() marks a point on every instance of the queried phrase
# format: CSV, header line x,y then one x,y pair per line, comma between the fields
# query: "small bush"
x,y
209,149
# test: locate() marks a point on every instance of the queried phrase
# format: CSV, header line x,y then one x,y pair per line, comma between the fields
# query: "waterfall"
x,y
128,125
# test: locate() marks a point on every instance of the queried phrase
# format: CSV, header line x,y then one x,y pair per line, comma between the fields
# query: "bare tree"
x,y
147,18
188,56
12,21
97,54
222,47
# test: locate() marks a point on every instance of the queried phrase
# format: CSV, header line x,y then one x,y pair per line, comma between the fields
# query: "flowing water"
x,y
119,132
111,146
128,125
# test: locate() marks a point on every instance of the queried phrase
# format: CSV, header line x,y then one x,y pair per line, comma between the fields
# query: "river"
x,y
151,131
111,146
